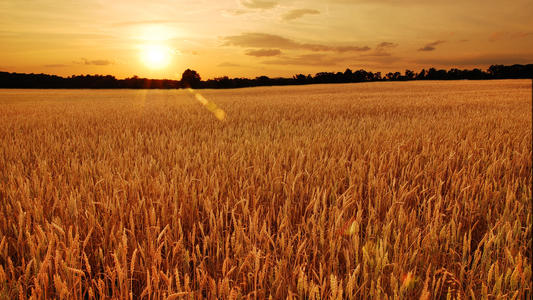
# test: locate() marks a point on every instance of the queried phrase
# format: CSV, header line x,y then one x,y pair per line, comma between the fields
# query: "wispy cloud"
x,y
146,22
228,64
259,4
504,35
298,13
55,65
325,60
382,49
431,46
306,60
386,45
95,62
263,52
264,40
477,60
234,12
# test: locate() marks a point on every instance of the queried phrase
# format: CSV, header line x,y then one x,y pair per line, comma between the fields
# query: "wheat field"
x,y
416,190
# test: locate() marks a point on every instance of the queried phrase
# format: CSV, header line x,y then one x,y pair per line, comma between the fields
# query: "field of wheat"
x,y
378,190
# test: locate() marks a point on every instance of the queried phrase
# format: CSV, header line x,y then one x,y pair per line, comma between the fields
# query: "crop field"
x,y
405,190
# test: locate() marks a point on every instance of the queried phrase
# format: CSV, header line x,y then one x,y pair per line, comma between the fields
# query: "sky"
x,y
250,38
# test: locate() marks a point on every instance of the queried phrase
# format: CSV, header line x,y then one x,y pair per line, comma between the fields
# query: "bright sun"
x,y
156,56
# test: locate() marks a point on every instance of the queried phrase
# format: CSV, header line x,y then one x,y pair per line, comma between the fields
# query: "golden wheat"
x,y
375,190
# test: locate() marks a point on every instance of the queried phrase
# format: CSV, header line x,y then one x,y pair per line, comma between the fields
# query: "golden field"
x,y
417,190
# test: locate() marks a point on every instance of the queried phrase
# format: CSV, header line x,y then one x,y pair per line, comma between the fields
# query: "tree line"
x,y
192,79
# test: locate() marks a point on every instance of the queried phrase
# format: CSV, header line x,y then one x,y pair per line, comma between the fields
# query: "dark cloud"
x,y
298,13
259,4
430,46
56,66
228,64
263,52
264,40
96,62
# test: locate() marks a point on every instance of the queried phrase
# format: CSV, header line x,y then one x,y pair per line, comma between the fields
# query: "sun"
x,y
156,56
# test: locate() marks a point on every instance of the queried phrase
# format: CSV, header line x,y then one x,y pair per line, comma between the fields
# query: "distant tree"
x,y
360,75
300,78
325,77
434,74
396,76
454,73
409,75
191,79
393,76
263,80
421,75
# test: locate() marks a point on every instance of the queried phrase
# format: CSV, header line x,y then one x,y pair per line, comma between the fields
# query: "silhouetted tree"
x,y
263,80
348,73
409,75
421,75
191,79
300,78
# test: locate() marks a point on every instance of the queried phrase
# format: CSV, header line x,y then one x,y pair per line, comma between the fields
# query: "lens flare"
x,y
210,105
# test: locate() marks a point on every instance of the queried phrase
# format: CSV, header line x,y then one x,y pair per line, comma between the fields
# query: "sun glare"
x,y
156,56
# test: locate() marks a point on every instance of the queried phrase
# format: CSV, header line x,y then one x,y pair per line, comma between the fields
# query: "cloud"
x,y
185,51
145,22
402,3
298,13
228,64
386,45
430,46
377,53
503,35
264,40
96,62
234,12
382,49
325,60
263,52
386,59
479,60
259,4
496,36
306,60
56,66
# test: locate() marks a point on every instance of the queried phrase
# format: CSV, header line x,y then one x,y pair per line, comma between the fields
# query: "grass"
x,y
375,190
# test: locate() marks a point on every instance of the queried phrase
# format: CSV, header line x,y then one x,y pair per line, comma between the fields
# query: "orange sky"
x,y
249,38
